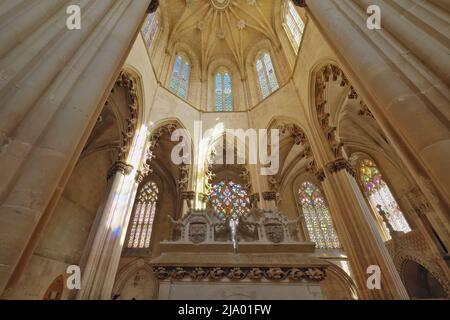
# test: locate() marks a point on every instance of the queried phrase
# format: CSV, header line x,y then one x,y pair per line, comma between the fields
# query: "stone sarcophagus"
x,y
201,263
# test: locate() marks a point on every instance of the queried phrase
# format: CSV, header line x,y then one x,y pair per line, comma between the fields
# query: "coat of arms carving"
x,y
197,232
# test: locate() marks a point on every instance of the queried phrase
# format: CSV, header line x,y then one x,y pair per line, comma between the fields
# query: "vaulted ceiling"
x,y
216,29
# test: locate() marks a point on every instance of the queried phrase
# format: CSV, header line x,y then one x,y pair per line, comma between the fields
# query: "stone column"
x,y
106,241
53,85
103,255
413,109
358,233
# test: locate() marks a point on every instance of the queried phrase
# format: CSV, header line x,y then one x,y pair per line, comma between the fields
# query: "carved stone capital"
x,y
339,165
119,166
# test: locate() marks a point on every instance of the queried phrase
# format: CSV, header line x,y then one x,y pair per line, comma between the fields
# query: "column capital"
x,y
339,165
119,166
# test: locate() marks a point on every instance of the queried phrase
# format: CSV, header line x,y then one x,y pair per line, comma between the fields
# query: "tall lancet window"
x,y
223,92
180,77
150,29
228,197
379,194
293,24
268,82
144,215
317,218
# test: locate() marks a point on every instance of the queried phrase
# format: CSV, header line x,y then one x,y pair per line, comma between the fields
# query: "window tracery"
x,y
150,29
144,216
180,77
317,218
379,194
268,81
223,92
293,24
228,197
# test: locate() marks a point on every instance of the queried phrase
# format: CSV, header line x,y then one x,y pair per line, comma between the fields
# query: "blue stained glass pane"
x,y
262,79
151,35
270,72
219,93
176,75
182,92
148,22
228,97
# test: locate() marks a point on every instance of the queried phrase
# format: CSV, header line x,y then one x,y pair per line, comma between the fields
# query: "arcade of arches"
x,y
87,120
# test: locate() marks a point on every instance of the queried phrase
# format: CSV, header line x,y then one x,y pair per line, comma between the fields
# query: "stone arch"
x,y
338,285
405,255
291,129
128,271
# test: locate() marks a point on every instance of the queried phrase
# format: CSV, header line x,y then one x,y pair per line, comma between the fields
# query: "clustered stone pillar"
x,y
53,85
107,234
358,233
107,238
413,109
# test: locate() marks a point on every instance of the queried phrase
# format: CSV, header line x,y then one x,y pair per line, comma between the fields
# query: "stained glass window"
x,y
223,93
293,25
180,77
268,82
150,29
228,197
144,215
317,218
379,194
